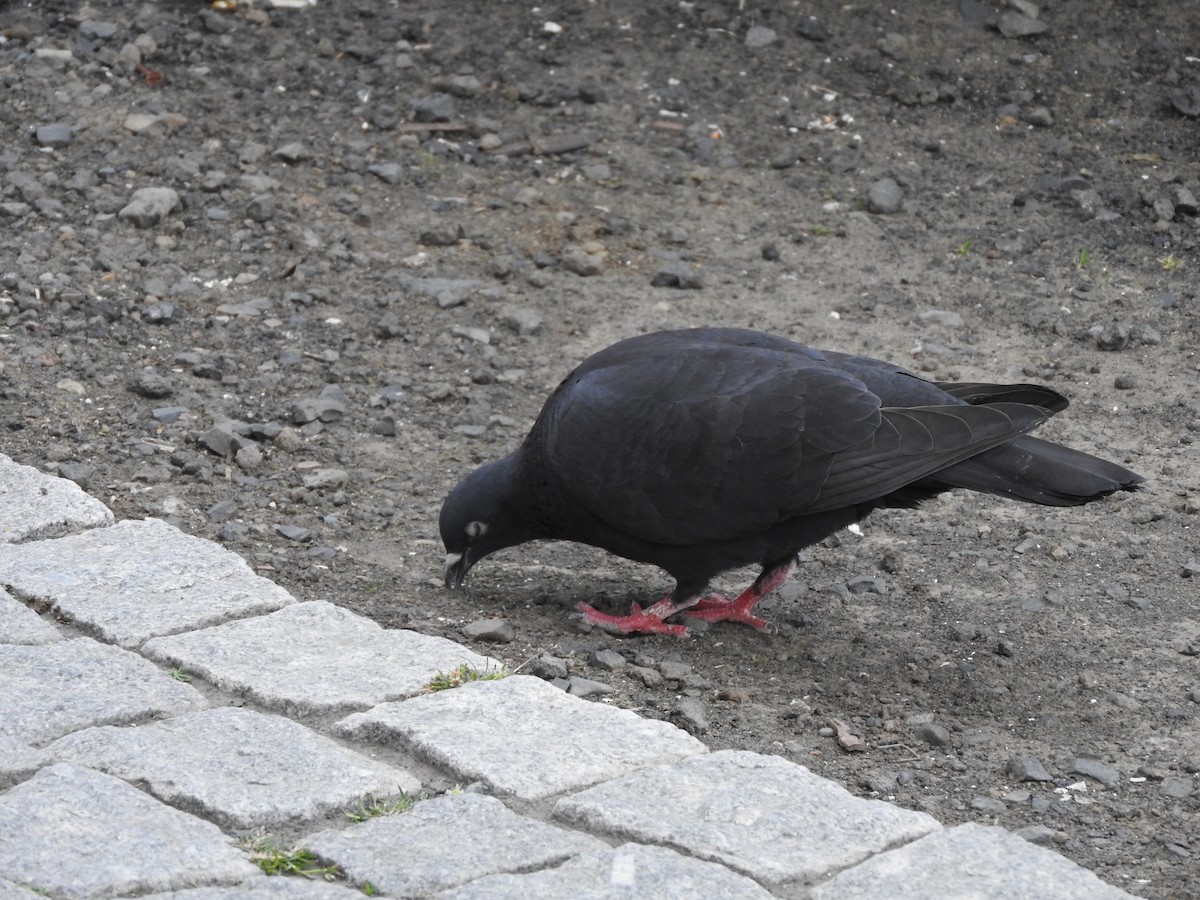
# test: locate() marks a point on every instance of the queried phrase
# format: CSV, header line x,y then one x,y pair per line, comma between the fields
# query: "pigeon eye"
x,y
476,530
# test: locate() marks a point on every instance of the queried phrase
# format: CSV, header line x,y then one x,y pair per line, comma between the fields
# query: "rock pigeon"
x,y
706,449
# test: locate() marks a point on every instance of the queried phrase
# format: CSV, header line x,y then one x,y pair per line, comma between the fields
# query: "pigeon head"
x,y
486,512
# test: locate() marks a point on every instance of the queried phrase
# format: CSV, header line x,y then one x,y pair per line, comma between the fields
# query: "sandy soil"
x,y
430,212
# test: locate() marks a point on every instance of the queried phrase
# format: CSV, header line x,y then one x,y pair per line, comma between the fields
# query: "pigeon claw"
x,y
639,621
715,608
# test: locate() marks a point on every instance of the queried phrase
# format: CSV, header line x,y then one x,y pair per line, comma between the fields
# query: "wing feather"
x,y
714,436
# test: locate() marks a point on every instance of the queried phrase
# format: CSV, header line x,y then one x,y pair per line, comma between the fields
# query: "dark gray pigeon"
x,y
707,449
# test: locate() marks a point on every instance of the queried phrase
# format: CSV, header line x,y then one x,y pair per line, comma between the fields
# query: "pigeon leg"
x,y
715,608
709,608
639,621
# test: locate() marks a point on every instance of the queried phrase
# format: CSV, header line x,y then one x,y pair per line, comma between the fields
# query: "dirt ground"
x,y
431,211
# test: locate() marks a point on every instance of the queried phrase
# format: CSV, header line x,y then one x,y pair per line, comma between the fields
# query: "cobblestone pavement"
x,y
159,701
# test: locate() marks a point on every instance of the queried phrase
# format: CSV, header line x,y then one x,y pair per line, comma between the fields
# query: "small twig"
x,y
427,127
915,754
544,146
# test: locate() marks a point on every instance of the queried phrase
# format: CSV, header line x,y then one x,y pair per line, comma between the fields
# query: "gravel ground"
x,y
281,277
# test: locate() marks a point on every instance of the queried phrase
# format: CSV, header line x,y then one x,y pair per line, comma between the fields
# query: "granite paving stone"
x,y
628,872
138,579
275,888
313,658
51,690
772,819
515,735
445,842
34,505
73,832
21,625
10,890
18,761
237,767
977,861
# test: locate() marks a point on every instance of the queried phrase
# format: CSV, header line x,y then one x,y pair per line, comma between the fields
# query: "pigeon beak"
x,y
457,565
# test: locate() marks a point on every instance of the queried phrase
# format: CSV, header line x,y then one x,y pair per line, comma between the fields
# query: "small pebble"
x,y
249,458
222,511
1177,788
151,383
934,735
609,660
674,670
549,668
689,714
232,532
1096,770
678,275
496,631
56,135
885,197
324,479
222,440
81,474
989,806
647,676
759,36
149,206
1028,768
294,533
733,695
524,321
292,153
1013,24
586,687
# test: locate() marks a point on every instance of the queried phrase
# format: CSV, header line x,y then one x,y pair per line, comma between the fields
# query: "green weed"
x,y
401,804
443,681
275,860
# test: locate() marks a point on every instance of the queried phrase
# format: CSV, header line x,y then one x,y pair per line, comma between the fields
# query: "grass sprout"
x,y
266,853
378,808
459,676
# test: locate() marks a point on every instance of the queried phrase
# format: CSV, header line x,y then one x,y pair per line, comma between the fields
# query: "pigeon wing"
x,y
723,442
711,445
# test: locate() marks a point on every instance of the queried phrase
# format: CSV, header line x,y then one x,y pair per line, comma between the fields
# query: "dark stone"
x,y
77,472
678,275
159,313
57,135
1096,770
436,107
690,715
223,440
1013,24
151,383
934,735
1028,768
168,415
885,197
294,533
222,511
496,631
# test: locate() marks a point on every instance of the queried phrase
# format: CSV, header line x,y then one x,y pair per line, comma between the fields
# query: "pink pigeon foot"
x,y
639,621
715,608
708,608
